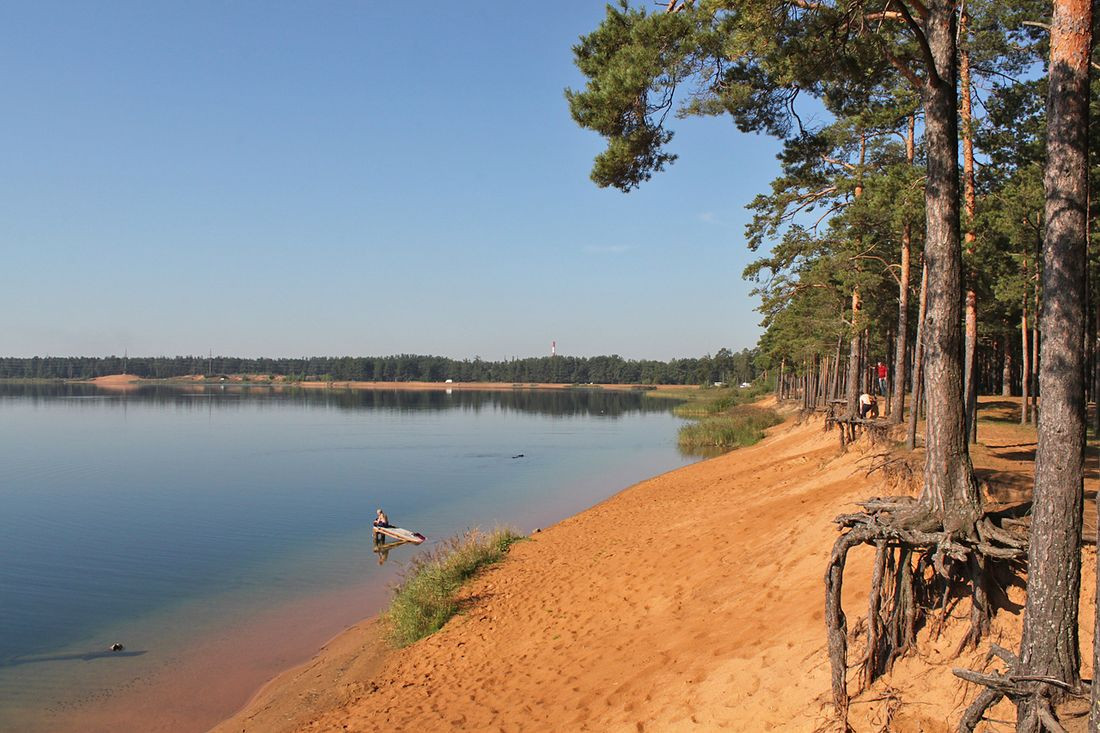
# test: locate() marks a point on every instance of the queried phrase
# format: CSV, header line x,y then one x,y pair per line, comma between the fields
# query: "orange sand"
x,y
126,381
691,601
119,382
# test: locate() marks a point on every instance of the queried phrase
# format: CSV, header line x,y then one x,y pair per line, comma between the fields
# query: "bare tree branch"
x,y
921,8
901,66
918,33
836,207
841,163
1046,27
889,267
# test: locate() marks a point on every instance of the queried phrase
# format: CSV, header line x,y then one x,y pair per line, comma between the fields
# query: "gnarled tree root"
x,y
1027,691
917,567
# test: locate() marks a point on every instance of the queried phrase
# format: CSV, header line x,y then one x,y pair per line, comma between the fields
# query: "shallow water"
x,y
168,519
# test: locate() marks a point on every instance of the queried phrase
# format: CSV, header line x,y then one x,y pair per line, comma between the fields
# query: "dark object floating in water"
x,y
116,647
518,455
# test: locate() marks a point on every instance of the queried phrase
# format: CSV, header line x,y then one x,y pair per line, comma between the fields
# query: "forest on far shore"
x,y
725,366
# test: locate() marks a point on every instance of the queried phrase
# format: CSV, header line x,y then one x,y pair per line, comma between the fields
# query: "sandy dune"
x,y
691,601
117,382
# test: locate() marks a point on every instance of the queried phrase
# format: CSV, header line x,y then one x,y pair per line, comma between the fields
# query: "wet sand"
x,y
691,601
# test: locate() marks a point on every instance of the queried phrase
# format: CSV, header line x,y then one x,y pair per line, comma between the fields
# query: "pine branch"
x,y
900,65
918,33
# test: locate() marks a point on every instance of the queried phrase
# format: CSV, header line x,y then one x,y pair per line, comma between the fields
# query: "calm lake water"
x,y
168,519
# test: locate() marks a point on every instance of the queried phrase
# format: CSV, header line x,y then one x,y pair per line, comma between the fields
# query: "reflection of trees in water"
x,y
558,402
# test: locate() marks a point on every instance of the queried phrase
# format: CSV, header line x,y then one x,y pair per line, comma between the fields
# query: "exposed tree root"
x,y
896,467
918,568
1027,691
851,427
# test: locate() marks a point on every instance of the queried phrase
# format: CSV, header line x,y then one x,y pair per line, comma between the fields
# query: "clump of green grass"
x,y
706,406
740,425
708,401
426,597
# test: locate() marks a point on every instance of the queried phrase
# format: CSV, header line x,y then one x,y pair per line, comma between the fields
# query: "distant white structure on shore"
x,y
553,348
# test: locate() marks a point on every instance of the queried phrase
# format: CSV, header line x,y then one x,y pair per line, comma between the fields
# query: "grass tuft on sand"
x,y
735,427
425,598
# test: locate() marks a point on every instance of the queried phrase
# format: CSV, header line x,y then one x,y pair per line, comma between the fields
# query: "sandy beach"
x,y
665,389
117,382
123,382
691,601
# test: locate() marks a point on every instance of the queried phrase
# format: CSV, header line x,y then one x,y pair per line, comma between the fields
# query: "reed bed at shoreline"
x,y
737,426
711,401
426,597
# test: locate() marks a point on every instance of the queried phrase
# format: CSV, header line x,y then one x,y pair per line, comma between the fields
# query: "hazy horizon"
x,y
471,357
259,179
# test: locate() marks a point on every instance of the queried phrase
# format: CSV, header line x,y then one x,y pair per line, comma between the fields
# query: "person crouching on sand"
x,y
867,406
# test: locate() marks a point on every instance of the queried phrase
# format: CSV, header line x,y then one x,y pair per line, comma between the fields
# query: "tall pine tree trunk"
x,y
1036,354
950,489
853,354
1050,646
970,389
834,391
897,409
918,361
914,409
857,304
1025,369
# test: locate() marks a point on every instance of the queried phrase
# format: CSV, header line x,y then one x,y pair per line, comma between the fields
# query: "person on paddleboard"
x,y
380,520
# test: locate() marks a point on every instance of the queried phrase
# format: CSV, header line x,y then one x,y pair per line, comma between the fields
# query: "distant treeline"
x,y
607,403
725,366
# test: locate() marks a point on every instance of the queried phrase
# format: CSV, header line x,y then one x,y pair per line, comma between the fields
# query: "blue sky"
x,y
287,179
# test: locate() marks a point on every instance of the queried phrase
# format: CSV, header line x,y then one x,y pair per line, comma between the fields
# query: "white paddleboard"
x,y
401,534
